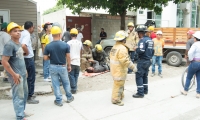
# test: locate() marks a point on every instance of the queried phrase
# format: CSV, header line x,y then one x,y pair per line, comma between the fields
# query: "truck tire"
x,y
174,58
107,50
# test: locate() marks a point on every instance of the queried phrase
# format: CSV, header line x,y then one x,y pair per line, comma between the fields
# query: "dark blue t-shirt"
x,y
57,51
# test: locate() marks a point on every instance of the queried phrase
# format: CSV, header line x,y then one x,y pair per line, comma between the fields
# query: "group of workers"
x,y
63,61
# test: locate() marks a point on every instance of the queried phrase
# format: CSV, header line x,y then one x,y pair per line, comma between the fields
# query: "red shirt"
x,y
153,35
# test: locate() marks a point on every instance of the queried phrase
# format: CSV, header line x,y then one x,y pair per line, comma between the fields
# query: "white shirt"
x,y
26,39
75,49
4,38
79,37
50,38
194,52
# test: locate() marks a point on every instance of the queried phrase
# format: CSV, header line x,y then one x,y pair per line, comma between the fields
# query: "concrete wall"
x,y
111,25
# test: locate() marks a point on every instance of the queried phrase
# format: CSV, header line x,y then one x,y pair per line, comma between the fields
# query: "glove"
x,y
135,69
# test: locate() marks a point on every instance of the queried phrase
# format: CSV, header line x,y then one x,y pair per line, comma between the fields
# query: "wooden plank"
x,y
174,35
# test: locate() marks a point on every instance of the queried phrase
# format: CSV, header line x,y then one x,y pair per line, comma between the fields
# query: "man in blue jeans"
x,y
75,55
13,62
158,53
25,40
57,52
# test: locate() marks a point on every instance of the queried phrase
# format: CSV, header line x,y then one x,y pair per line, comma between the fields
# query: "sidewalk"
x,y
96,105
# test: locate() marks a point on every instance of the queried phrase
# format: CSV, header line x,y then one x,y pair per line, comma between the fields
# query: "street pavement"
x,y
164,102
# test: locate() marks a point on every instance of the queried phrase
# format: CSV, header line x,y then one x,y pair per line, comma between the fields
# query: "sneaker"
x,y
32,101
183,92
49,77
72,99
153,74
73,91
197,95
47,80
160,75
58,104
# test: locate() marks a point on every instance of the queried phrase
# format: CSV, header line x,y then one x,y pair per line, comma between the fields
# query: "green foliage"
x,y
117,7
54,9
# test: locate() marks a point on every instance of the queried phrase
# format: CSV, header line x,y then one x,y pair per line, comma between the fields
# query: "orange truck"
x,y
175,44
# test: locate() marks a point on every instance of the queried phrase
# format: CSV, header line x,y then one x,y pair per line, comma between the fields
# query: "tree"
x,y
54,9
117,7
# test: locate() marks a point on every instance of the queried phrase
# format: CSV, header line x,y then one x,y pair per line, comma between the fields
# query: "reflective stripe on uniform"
x,y
130,65
145,84
142,50
119,78
139,86
114,62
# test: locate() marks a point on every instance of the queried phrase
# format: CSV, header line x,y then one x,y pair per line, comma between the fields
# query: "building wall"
x,y
59,16
169,15
111,25
20,11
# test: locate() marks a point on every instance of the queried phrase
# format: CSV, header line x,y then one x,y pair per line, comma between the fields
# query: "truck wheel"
x,y
107,50
174,58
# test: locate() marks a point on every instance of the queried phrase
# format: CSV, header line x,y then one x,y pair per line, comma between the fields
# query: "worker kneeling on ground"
x,y
119,64
86,55
96,67
145,52
99,55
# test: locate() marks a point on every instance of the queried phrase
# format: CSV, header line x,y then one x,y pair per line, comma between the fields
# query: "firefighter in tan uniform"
x,y
86,55
131,42
119,64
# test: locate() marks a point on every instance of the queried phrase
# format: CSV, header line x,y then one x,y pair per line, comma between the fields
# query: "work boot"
x,y
58,104
31,100
153,74
72,99
33,96
160,75
146,92
119,103
183,92
197,95
138,96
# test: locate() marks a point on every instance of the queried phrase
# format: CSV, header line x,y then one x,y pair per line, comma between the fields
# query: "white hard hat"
x,y
197,34
159,32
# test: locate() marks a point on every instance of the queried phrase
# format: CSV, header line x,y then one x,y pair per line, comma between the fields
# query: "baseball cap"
x,y
191,32
4,25
159,32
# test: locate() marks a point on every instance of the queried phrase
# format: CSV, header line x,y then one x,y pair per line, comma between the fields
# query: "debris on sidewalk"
x,y
93,74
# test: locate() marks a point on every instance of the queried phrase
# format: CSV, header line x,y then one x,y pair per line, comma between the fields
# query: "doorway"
x,y
4,16
80,22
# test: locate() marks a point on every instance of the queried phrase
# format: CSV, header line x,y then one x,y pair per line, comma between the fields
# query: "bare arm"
x,y
68,62
8,68
43,47
46,57
24,47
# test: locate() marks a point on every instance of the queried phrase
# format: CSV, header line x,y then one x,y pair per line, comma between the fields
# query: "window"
x,y
1,21
141,12
193,15
179,16
151,15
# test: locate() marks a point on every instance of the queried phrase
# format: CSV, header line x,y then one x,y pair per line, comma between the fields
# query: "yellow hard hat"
x,y
88,42
22,28
151,28
120,35
130,24
12,25
98,48
74,31
55,30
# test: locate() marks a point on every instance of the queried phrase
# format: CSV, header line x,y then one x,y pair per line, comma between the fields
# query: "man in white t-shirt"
x,y
25,40
75,55
79,35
